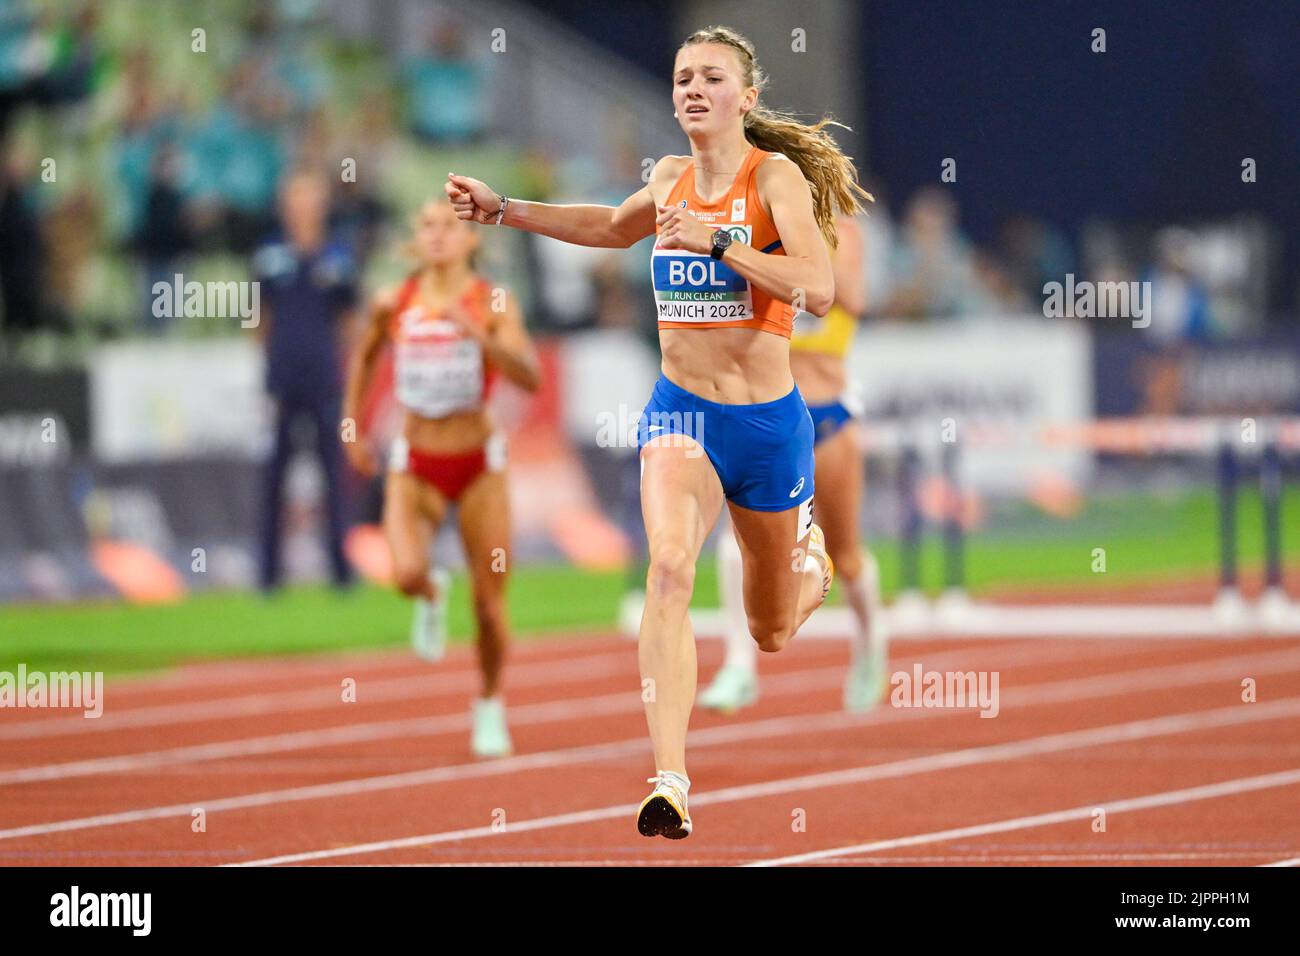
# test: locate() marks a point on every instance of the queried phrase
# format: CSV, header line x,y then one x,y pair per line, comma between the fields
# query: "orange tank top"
x,y
696,291
438,368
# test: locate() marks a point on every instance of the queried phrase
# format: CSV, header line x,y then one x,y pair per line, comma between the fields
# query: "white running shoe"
x,y
664,812
630,609
732,688
867,680
429,626
490,737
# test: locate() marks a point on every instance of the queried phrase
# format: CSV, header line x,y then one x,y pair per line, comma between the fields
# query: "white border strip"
x,y
947,619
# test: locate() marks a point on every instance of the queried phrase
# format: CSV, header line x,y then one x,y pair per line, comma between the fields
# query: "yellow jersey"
x,y
832,334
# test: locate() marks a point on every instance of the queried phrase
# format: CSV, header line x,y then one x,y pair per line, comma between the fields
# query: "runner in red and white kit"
x,y
452,333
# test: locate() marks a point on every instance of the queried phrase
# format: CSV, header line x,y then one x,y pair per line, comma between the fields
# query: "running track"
x,y
1153,732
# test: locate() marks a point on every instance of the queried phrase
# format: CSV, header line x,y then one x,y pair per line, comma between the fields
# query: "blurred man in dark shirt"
x,y
22,256
308,285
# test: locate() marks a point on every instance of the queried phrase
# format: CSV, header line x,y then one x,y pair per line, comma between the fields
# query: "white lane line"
x,y
980,620
1174,675
974,756
428,726
117,717
1000,859
548,711
1020,858
207,675
725,734
214,673
1294,861
1226,788
510,864
537,674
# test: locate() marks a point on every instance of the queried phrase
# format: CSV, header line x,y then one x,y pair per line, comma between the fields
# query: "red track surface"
x,y
395,784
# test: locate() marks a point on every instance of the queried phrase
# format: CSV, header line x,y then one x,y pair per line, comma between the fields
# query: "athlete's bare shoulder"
x,y
665,174
777,174
386,297
672,165
775,167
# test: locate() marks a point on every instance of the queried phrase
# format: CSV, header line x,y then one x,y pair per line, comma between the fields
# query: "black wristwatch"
x,y
721,243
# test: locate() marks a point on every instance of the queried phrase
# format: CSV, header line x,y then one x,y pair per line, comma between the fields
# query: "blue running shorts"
x,y
763,453
828,419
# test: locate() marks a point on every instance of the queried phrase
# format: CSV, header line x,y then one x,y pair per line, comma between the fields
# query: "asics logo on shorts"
x,y
797,488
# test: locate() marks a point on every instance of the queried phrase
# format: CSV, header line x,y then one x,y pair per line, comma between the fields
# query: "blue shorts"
x,y
828,419
763,453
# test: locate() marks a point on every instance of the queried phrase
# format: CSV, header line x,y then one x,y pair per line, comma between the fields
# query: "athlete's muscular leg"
x,y
412,513
839,499
681,498
485,531
780,592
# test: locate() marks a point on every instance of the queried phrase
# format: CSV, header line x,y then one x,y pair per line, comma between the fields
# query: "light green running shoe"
x,y
429,626
733,688
867,680
490,737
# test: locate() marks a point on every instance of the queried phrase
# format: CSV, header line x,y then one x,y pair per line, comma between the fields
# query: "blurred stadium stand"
x,y
168,161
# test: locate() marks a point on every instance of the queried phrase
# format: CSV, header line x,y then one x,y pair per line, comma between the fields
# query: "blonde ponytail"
x,y
831,175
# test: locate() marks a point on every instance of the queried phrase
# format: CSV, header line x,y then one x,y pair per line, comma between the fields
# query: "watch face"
x,y
722,238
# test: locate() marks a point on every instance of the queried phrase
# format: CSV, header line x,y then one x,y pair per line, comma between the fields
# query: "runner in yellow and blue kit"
x,y
818,352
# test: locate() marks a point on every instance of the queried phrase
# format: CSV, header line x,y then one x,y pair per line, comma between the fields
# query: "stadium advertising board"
x,y
990,386
153,401
1252,376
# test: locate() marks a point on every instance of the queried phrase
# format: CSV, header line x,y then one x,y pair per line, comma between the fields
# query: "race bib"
x,y
437,377
690,287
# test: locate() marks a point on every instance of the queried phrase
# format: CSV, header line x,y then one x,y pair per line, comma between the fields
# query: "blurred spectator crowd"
x,y
168,159
133,148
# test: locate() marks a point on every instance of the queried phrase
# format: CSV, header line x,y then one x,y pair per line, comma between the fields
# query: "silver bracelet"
x,y
501,213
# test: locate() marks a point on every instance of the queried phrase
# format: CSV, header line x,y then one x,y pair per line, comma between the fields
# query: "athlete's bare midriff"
x,y
819,375
450,435
728,366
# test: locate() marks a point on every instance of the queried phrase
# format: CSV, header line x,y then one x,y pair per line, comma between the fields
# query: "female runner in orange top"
x,y
744,224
